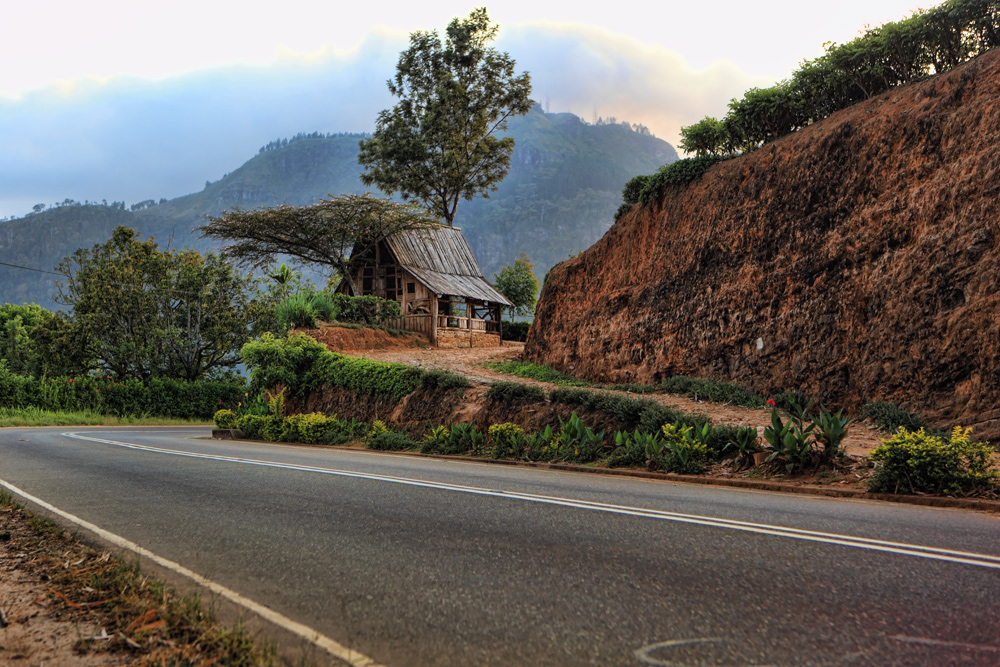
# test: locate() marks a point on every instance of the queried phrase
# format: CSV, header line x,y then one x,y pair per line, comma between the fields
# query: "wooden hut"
x,y
437,281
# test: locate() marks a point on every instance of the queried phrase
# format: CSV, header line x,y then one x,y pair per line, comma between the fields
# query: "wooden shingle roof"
x,y
441,258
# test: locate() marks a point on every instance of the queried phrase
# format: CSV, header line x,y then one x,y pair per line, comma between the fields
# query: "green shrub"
x,y
390,441
577,442
510,392
442,379
296,311
272,428
303,365
163,397
680,450
630,449
676,174
916,462
508,441
314,428
713,391
225,419
633,188
252,426
516,331
459,439
890,417
366,309
323,306
539,372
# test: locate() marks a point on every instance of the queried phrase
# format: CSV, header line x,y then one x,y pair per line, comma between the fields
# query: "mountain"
x,y
857,259
559,197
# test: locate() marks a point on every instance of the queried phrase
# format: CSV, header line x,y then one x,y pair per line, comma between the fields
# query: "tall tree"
x,y
322,233
149,313
518,283
438,144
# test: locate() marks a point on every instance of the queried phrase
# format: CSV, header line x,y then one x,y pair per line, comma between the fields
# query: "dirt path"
x,y
862,439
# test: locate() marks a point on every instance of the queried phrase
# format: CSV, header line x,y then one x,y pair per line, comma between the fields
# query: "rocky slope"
x,y
856,259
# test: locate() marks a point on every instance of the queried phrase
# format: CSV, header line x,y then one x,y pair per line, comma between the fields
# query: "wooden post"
x,y
434,319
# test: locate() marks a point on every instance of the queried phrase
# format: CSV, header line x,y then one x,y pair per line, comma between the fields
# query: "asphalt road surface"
x,y
417,561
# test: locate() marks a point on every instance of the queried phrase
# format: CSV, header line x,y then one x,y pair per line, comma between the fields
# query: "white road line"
x,y
885,546
336,649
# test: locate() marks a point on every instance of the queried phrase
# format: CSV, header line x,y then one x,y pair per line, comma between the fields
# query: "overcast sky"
x,y
142,100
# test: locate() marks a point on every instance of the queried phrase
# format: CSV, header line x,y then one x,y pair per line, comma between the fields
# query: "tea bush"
x,y
890,417
511,392
713,391
442,379
916,462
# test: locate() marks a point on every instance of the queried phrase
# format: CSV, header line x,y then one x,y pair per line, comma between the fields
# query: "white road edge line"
x,y
334,648
902,548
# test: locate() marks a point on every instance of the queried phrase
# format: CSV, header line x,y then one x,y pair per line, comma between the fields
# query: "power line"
x,y
28,268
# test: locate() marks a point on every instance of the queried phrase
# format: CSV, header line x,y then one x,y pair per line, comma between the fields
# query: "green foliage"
x,y
390,441
576,442
706,137
745,443
441,379
508,441
633,188
323,306
511,392
915,462
438,143
163,397
679,449
224,419
932,41
831,429
148,313
459,439
890,417
516,331
296,312
631,449
713,391
364,376
622,210
324,233
539,372
518,283
366,309
677,174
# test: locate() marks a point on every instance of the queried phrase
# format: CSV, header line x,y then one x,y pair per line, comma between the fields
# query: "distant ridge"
x,y
560,196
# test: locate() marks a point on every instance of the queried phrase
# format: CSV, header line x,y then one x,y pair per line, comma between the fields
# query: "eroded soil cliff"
x,y
856,259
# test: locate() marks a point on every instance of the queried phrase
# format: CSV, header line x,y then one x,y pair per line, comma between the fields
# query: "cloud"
x,y
133,139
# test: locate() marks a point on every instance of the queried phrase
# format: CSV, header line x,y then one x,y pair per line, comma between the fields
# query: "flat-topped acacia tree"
x,y
322,233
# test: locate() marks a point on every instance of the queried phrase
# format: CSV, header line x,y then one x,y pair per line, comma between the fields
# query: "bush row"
x,y
303,365
160,397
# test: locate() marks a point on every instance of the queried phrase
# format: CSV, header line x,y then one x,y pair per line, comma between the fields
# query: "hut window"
x,y
411,288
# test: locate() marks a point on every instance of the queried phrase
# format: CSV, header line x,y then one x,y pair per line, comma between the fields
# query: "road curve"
x,y
415,561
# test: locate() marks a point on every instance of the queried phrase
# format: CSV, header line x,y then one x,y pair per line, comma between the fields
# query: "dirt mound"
x,y
855,260
344,339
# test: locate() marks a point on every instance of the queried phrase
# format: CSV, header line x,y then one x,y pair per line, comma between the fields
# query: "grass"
x,y
713,391
39,417
539,372
146,621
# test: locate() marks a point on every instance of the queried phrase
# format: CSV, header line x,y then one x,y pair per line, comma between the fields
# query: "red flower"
x,y
770,403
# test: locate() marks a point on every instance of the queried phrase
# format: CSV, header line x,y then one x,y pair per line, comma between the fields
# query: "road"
x,y
416,561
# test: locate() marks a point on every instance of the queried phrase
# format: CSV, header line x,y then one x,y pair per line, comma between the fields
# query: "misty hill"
x,y
856,259
559,197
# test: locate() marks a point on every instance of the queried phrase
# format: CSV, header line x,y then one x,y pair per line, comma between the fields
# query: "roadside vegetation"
x,y
802,437
115,608
31,416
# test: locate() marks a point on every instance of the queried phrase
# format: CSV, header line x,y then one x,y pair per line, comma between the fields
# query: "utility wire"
x,y
28,268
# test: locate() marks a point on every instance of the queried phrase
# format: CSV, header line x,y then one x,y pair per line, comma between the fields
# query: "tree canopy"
x,y
322,233
438,144
150,313
518,283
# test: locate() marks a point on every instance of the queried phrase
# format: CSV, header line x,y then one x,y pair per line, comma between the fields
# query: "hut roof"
x,y
441,258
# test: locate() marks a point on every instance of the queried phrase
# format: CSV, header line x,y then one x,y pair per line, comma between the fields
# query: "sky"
x,y
130,101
